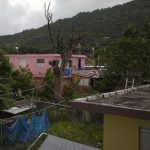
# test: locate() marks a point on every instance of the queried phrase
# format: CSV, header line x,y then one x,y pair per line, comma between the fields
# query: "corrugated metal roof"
x,y
17,110
56,143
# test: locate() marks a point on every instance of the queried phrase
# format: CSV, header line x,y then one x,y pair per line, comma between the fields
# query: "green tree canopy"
x,y
21,79
127,57
5,67
11,81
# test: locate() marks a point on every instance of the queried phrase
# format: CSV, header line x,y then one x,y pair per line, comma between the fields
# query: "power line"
x,y
24,90
14,117
53,104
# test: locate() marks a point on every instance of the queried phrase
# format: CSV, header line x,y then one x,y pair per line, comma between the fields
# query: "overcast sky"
x,y
19,15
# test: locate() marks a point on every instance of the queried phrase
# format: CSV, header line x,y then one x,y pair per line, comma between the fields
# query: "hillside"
x,y
96,26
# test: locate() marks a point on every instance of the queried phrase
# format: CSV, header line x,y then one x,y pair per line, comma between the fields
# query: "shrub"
x,y
89,134
68,91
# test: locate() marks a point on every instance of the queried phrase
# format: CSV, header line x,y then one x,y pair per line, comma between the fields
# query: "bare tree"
x,y
63,43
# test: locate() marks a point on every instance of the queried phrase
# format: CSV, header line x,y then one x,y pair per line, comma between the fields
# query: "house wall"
x,y
122,133
31,61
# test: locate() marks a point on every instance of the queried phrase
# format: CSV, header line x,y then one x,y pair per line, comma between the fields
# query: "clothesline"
x,y
54,91
54,103
22,130
24,90
37,87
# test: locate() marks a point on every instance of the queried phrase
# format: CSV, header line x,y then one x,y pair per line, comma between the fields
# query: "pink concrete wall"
x,y
31,61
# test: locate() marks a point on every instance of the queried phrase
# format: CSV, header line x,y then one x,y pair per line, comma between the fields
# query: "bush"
x,y
21,79
88,134
68,91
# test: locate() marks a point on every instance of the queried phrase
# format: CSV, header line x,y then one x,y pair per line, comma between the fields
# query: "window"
x,y
23,62
40,62
144,138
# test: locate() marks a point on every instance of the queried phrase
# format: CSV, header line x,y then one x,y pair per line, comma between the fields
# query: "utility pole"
x,y
98,60
79,48
17,49
93,52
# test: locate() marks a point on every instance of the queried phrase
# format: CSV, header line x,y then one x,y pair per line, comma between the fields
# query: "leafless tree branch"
x,y
49,18
63,47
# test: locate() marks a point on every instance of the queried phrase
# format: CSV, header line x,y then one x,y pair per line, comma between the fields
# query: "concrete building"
x,y
126,117
39,63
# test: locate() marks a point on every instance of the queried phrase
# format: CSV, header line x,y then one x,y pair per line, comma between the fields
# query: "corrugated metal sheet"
x,y
144,138
56,143
17,110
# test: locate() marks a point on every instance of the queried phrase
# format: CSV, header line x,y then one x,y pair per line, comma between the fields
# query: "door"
x,y
144,138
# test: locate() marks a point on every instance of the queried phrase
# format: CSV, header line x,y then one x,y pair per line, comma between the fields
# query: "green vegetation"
x,y
5,67
127,57
98,27
5,70
49,78
21,79
12,81
89,134
70,91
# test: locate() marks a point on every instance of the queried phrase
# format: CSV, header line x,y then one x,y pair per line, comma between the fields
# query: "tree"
x,y
147,28
21,79
127,57
12,81
5,67
130,32
49,78
48,91
5,87
64,43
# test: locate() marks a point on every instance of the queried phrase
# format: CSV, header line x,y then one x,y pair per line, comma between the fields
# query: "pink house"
x,y
39,63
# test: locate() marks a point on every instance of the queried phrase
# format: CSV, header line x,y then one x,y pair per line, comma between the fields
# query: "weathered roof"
x,y
132,102
56,143
87,73
17,110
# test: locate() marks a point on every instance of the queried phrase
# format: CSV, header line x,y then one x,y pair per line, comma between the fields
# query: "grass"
x,y
61,125
88,134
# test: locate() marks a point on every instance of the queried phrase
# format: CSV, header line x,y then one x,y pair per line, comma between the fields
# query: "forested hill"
x,y
96,27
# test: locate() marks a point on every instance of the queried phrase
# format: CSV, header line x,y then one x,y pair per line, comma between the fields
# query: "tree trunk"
x,y
58,88
59,73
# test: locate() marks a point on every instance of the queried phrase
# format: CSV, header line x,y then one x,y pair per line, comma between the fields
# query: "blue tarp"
x,y
67,72
22,131
39,124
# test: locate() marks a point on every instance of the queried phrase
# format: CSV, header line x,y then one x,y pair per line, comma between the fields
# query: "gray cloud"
x,y
18,17
15,18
